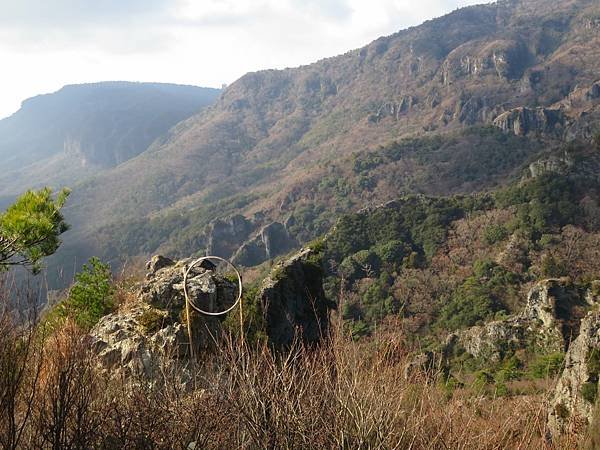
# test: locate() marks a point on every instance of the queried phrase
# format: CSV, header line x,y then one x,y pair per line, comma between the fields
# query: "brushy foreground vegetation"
x,y
343,394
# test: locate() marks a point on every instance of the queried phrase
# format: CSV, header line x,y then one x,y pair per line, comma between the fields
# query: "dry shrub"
x,y
341,394
347,396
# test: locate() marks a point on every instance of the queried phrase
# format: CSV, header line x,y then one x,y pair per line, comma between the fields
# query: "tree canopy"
x,y
30,229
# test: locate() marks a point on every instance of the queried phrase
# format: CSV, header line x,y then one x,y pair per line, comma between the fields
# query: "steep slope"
x,y
277,141
63,137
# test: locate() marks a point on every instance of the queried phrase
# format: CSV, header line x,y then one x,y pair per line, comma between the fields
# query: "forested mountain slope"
x,y
459,104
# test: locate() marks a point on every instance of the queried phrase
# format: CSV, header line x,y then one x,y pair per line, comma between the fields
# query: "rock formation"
x,y
225,236
553,164
549,321
523,121
151,330
577,388
142,335
272,240
294,303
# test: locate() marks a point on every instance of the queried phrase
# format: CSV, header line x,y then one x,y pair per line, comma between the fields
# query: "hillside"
x,y
467,100
64,137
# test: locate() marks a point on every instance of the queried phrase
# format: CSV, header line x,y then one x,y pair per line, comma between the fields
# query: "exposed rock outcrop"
x,y
272,240
506,59
523,121
294,303
553,164
141,336
577,388
225,236
125,347
151,330
549,321
394,109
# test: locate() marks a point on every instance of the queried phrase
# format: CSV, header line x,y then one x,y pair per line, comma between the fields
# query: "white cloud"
x,y
46,44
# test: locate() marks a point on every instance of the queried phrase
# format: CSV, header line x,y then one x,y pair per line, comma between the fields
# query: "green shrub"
x,y
547,366
254,320
359,329
593,363
552,267
482,379
479,298
495,233
89,299
510,370
596,140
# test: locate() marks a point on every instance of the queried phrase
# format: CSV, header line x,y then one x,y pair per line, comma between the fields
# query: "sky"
x,y
46,44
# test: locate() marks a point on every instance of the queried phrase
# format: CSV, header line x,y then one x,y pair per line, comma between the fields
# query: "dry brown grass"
x,y
340,395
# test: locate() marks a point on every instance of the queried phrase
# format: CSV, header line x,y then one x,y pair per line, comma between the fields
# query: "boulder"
x,y
125,347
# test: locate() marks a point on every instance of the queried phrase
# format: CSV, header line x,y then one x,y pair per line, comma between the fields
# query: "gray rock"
x,y
225,236
294,303
523,121
571,398
140,338
272,240
158,262
550,320
124,348
553,164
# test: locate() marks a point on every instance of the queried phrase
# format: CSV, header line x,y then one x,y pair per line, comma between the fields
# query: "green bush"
x,y
481,297
510,370
596,140
91,296
552,267
547,366
593,363
495,233
545,203
254,320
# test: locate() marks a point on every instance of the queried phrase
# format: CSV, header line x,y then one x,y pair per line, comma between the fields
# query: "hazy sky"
x,y
45,44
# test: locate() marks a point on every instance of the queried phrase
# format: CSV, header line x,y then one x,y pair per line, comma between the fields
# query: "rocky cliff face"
x,y
294,302
271,241
572,403
523,121
226,235
557,317
549,321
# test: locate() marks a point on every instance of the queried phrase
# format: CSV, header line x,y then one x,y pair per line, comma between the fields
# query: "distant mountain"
x,y
461,103
62,138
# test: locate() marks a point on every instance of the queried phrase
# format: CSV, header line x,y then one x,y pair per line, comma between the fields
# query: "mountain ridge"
x,y
277,140
83,129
